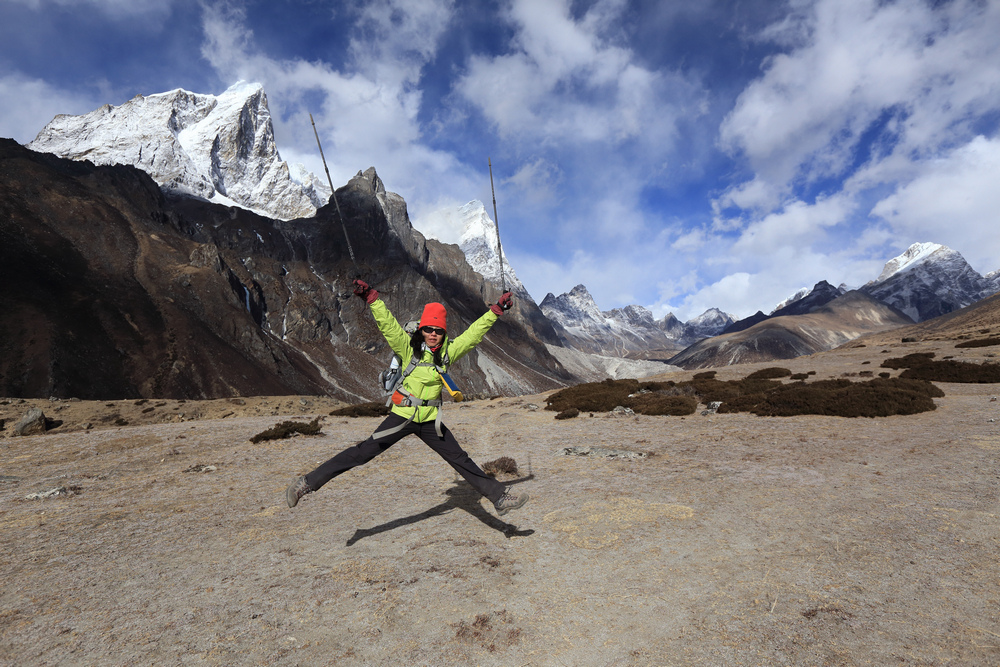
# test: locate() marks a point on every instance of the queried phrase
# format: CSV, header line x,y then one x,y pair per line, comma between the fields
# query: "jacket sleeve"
x,y
471,337
394,334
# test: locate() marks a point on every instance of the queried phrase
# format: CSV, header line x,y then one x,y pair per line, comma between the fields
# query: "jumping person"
x,y
417,400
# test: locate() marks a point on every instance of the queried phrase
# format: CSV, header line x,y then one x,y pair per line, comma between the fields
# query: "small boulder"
x,y
32,423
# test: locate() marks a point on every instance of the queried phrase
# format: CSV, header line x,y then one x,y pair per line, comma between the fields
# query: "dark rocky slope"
x,y
114,290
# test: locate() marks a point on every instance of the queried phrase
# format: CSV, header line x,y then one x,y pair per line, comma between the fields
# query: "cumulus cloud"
x,y
366,114
955,201
27,104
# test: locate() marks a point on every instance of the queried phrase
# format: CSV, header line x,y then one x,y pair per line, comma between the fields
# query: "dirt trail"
x,y
740,540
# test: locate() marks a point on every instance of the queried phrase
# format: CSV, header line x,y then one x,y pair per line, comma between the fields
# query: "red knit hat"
x,y
434,316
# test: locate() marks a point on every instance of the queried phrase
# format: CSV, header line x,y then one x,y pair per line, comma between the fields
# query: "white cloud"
x,y
27,105
954,201
563,81
368,113
115,9
937,67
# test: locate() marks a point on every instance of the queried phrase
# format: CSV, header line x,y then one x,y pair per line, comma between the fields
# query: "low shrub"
x,y
286,429
568,414
922,366
375,409
954,371
707,375
593,396
841,398
909,361
878,397
799,376
769,374
982,342
661,404
504,465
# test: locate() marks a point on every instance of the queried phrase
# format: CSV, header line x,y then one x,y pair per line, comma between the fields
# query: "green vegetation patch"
x,y
375,409
286,430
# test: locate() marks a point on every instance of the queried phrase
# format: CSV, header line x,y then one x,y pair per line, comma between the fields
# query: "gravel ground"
x,y
738,540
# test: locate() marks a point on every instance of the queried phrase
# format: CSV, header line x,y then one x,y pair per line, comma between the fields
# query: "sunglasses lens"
x,y
433,330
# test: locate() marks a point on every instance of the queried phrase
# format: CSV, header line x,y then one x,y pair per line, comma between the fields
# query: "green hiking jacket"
x,y
424,382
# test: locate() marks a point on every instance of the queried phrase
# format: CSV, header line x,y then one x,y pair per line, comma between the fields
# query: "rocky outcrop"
x,y
115,289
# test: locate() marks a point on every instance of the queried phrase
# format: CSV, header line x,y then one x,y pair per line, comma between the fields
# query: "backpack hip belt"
x,y
411,401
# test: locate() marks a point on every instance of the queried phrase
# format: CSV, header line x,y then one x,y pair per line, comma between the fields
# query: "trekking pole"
x,y
496,221
334,191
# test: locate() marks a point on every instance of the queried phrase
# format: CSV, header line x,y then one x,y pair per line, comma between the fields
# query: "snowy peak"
x,y
929,280
220,148
915,255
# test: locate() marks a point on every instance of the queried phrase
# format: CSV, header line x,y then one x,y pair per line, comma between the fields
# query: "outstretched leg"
x,y
448,448
352,457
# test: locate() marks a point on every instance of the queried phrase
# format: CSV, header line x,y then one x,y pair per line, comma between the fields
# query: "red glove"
x,y
362,289
504,303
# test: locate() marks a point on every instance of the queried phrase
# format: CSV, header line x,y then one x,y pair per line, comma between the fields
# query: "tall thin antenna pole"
x,y
496,221
334,191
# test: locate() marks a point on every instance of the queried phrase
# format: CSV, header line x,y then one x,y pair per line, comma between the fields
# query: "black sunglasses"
x,y
433,330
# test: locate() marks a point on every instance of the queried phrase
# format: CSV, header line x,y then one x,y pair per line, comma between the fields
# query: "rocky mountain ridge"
x,y
625,332
218,148
117,289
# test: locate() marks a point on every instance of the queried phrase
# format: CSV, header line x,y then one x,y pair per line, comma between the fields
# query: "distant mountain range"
x,y
221,150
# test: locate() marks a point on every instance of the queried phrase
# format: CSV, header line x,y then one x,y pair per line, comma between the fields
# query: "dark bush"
x,y
799,376
661,404
504,465
569,413
286,429
841,398
376,409
885,375
909,361
707,375
593,396
982,342
876,398
953,371
769,374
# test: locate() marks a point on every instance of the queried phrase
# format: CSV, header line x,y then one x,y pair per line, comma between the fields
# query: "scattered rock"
x,y
531,406
621,410
32,423
602,452
201,468
53,493
713,408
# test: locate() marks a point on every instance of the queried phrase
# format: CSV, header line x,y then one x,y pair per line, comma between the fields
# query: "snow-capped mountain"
x,y
929,280
216,147
629,331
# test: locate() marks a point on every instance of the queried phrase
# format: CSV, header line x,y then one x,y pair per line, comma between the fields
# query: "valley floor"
x,y
739,540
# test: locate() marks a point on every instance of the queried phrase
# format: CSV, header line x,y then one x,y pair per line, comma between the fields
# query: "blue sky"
x,y
677,155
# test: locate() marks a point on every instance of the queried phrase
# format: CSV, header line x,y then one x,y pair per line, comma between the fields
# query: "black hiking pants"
x,y
446,446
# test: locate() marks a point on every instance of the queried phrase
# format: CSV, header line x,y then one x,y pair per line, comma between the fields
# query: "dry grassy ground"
x,y
741,540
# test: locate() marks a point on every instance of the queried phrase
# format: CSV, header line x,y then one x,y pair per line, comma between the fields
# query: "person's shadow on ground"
x,y
460,496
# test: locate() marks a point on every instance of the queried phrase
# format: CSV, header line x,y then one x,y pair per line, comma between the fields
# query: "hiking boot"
x,y
296,490
507,502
